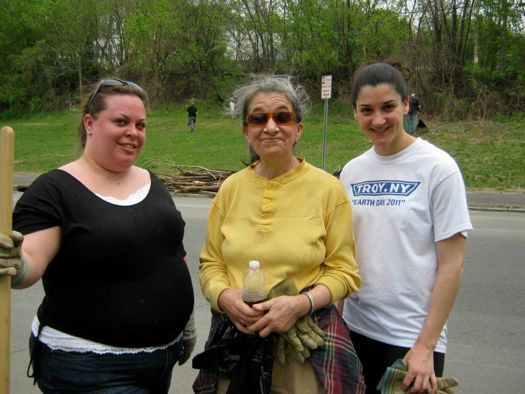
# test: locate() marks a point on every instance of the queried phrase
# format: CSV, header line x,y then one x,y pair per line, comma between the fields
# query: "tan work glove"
x,y
189,339
304,336
10,263
391,381
446,385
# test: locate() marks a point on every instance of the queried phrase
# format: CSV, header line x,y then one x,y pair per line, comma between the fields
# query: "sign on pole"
x,y
326,93
326,87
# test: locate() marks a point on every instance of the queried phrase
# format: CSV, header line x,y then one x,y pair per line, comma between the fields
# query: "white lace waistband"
x,y
58,340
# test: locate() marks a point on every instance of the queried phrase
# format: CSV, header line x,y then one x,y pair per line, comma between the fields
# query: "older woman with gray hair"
x,y
296,220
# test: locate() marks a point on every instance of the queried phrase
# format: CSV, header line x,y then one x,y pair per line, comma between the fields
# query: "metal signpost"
x,y
326,93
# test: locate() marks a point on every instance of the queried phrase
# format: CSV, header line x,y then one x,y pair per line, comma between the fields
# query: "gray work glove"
x,y
304,336
189,339
309,332
10,263
289,344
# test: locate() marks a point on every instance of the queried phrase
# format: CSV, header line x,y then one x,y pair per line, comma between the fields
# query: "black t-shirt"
x,y
119,277
192,112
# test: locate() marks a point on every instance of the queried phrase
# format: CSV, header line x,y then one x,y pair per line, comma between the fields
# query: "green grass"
x,y
491,154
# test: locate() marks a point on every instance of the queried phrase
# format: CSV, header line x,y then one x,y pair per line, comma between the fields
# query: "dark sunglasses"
x,y
279,117
111,82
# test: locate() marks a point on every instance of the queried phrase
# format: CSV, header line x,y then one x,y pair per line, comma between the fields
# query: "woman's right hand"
x,y
240,313
38,249
10,253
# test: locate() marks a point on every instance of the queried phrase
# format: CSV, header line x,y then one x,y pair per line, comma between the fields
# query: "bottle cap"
x,y
254,264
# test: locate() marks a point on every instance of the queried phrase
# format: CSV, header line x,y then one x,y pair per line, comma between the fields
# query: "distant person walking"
x,y
192,117
233,101
412,117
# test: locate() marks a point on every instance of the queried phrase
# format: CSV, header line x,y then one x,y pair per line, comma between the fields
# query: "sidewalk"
x,y
496,201
477,200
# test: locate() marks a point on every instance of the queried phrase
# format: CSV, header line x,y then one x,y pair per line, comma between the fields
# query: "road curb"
x,y
496,209
477,200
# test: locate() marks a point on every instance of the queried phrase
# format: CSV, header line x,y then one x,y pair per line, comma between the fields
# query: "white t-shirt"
x,y
401,206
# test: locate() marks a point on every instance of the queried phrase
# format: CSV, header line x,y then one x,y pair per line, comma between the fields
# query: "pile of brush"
x,y
195,180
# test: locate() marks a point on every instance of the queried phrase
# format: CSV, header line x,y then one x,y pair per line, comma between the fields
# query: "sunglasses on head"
x,y
111,82
279,117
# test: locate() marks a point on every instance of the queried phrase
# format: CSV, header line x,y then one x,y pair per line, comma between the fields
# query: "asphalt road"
x,y
486,329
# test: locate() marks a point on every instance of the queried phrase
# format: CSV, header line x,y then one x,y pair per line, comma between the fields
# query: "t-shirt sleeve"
x,y
213,273
340,273
38,208
449,207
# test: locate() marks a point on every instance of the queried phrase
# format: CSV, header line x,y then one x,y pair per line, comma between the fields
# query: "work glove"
x,y
189,339
391,381
290,344
304,336
446,385
10,263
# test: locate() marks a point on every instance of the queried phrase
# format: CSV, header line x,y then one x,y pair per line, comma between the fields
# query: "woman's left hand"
x,y
281,313
420,359
420,377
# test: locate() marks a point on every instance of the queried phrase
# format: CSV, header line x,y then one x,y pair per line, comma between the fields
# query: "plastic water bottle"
x,y
253,284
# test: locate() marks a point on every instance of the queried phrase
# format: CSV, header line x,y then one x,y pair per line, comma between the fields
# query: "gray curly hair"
x,y
281,84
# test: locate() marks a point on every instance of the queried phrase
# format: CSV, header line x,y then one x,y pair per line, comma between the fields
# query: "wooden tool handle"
x,y
7,143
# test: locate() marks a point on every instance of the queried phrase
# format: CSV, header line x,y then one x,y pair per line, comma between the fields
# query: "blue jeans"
x,y
61,372
411,121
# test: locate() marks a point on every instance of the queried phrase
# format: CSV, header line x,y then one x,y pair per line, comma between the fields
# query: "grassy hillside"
x,y
491,154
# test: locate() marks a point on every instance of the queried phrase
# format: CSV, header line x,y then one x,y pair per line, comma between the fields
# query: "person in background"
x,y
192,116
412,117
295,219
232,103
410,217
106,239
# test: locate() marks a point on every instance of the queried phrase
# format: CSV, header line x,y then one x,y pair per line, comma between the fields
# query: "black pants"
x,y
377,356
